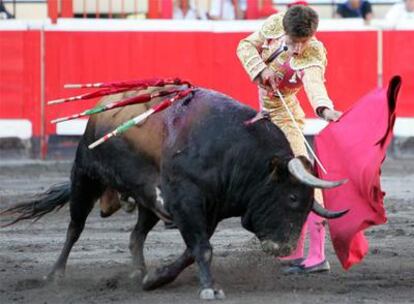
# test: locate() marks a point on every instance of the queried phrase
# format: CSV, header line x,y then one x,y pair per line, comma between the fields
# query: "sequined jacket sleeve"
x,y
249,48
313,66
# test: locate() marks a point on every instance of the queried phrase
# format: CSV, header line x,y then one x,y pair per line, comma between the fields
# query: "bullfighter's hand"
x,y
269,80
331,114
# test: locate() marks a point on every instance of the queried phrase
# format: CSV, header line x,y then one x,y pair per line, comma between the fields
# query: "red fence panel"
x,y
20,76
67,8
398,58
352,65
206,58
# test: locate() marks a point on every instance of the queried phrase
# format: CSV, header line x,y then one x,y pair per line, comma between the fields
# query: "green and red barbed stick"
x,y
110,88
117,104
153,82
99,93
141,118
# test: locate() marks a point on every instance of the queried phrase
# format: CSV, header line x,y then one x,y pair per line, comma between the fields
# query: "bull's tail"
x,y
39,205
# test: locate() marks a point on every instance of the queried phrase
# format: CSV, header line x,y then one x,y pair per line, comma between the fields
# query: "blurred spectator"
x,y
400,12
4,14
267,9
188,9
227,9
355,9
298,2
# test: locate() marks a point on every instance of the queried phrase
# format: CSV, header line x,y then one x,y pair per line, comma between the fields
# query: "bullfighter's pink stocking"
x,y
316,230
298,252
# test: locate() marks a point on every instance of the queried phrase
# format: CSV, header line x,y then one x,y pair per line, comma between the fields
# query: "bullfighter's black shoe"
x,y
170,225
301,269
290,263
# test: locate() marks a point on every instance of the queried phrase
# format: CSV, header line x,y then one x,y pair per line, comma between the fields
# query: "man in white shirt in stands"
x,y
400,12
227,9
189,10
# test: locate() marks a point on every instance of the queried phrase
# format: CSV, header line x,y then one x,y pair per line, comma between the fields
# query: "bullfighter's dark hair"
x,y
300,21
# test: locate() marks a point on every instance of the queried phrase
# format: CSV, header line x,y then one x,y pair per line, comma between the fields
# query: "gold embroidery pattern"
x,y
249,56
273,27
313,55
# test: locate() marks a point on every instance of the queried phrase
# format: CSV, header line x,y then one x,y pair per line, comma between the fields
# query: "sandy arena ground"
x,y
98,267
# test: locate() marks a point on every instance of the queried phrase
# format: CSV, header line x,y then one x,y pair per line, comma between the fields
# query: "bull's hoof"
x,y
127,205
212,294
54,276
156,278
104,214
137,274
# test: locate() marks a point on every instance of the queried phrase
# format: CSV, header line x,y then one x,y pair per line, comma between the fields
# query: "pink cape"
x,y
354,148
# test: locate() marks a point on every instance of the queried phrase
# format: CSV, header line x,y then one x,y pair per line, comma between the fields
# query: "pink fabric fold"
x,y
354,148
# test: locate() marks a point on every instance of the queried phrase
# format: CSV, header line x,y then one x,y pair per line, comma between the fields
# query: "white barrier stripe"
x,y
21,128
71,127
403,127
161,25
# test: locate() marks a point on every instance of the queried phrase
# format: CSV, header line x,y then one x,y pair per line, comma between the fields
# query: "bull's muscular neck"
x,y
209,144
246,178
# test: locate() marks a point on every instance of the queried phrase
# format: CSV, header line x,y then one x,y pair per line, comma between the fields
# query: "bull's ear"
x,y
278,167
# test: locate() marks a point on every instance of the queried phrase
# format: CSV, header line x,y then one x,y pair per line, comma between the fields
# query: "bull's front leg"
x,y
166,274
187,205
203,253
196,234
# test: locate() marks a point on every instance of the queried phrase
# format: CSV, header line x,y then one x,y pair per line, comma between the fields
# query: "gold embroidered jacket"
x,y
308,67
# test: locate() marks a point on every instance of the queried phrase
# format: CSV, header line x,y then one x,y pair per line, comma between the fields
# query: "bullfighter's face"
x,y
296,45
409,5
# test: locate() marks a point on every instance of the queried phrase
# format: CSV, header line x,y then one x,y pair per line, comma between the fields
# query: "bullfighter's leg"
x,y
146,221
166,274
315,261
84,192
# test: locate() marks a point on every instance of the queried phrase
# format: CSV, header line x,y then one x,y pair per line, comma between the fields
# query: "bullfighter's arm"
x,y
249,56
313,63
249,48
313,82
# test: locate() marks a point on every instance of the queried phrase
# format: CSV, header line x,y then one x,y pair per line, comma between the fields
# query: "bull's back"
x,y
143,139
211,128
205,118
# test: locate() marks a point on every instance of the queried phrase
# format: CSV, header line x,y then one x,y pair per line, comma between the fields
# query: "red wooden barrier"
x,y
52,10
20,76
398,58
67,8
206,58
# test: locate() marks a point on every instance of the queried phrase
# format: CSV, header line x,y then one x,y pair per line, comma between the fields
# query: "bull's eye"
x,y
294,202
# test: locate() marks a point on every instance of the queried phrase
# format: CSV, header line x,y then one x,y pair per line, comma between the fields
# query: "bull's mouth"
x,y
275,249
105,214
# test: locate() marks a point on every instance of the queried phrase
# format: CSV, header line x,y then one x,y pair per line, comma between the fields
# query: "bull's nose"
x,y
270,247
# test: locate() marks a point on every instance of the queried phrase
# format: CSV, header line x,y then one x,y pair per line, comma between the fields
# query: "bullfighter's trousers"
x,y
314,223
281,118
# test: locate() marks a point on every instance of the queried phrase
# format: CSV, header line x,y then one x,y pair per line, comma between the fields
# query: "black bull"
x,y
209,166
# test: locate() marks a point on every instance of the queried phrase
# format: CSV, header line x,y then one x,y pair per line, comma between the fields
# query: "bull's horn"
x,y
321,211
298,170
